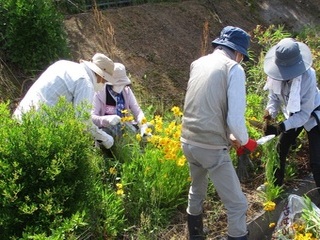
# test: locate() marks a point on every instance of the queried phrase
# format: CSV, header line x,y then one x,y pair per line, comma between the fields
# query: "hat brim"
x,y
120,82
284,73
98,71
231,45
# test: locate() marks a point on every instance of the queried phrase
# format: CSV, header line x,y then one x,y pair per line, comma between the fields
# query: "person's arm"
x,y
237,104
84,93
273,105
307,99
134,105
97,110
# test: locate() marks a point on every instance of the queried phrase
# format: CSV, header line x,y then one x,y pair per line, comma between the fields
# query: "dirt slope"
x,y
157,42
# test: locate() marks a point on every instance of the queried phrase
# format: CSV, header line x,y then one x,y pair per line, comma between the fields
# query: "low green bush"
x,y
50,177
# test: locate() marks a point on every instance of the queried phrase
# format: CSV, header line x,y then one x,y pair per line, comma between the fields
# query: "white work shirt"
x,y
237,104
63,78
72,80
309,100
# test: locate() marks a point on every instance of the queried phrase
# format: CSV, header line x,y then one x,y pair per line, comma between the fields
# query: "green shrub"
x,y
32,33
50,177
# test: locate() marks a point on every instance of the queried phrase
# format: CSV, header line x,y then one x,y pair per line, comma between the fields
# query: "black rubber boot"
x,y
195,227
238,238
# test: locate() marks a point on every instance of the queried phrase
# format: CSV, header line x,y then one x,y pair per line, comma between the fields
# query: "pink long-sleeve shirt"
x,y
131,104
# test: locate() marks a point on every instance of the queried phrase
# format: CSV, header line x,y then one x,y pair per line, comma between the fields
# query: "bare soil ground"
x,y
157,42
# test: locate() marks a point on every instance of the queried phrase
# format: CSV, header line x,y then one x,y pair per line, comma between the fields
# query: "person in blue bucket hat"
x,y
212,123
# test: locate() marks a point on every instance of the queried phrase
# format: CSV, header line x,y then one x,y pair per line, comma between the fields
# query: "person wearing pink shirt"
x,y
111,103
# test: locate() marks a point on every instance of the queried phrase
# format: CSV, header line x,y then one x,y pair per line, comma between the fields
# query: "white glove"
x,y
103,138
110,120
108,143
143,130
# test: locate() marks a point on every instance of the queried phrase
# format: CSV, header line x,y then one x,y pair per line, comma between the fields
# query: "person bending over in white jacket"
x,y
77,82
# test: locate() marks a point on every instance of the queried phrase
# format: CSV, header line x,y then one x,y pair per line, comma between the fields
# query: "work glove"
x,y
110,120
244,167
108,142
274,129
248,148
103,138
143,130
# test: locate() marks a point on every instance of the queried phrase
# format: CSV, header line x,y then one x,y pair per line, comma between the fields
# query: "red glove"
x,y
248,148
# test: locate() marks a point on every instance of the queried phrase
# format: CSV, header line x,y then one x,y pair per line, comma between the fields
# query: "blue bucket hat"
x,y
287,59
234,38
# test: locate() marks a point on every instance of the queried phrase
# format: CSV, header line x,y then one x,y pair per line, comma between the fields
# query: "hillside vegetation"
x,y
158,41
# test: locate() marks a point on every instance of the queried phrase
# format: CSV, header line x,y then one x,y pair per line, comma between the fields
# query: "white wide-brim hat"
x,y
287,60
120,78
101,65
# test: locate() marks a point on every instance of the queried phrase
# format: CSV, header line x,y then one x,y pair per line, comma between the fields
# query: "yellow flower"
x,y
144,121
269,206
120,192
181,161
176,111
148,130
138,137
127,119
119,189
272,225
176,135
113,171
124,111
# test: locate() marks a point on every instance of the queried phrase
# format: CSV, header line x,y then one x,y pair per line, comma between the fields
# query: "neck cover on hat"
x,y
98,86
294,101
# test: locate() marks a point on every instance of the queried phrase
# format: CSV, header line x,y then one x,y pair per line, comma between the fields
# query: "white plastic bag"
x,y
291,215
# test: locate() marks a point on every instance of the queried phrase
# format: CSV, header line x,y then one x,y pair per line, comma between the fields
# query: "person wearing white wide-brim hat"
x,y
77,82
292,86
110,103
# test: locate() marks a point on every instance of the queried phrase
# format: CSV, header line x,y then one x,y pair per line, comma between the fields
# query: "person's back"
x,y
208,84
77,82
63,78
214,109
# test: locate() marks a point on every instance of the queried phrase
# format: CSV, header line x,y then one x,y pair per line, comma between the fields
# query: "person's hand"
x,y
267,117
143,130
104,139
244,167
274,129
108,142
110,120
248,148
234,142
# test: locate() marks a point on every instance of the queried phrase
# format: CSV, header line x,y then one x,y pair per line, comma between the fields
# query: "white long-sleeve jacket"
x,y
65,78
309,100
